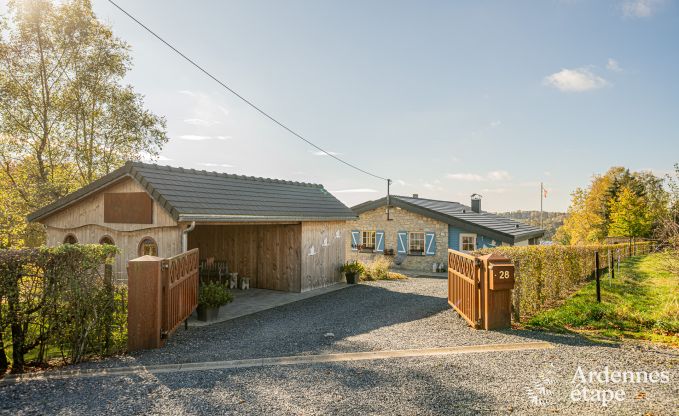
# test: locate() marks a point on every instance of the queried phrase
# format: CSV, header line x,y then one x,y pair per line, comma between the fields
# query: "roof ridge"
x,y
429,199
221,174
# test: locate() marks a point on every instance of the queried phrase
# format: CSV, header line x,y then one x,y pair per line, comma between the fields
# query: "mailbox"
x,y
501,277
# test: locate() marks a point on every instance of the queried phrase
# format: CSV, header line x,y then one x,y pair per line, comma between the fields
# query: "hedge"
x,y
545,275
59,300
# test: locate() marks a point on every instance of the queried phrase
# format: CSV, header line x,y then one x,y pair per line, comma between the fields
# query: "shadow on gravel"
x,y
297,328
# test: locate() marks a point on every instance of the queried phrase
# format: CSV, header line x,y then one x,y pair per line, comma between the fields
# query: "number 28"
x,y
504,274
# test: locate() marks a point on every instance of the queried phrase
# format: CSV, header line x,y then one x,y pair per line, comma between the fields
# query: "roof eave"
x,y
258,218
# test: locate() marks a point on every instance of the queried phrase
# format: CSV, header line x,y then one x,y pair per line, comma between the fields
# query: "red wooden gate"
x,y
180,289
464,286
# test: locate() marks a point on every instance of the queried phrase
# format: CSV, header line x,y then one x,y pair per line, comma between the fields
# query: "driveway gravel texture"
x,y
387,315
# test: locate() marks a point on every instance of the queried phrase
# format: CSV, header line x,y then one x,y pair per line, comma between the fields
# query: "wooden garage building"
x,y
283,235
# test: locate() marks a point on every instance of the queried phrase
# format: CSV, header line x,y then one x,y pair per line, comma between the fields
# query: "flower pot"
x,y
206,314
351,278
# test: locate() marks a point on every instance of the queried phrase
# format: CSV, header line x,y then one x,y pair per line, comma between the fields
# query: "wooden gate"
x,y
464,286
180,289
479,288
162,293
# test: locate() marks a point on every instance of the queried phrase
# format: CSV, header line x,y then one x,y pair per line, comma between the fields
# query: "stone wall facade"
x,y
402,220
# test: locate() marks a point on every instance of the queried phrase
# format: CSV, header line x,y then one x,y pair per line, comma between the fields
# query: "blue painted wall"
x,y
454,239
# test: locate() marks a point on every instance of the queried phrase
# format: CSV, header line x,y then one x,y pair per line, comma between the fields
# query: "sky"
x,y
445,98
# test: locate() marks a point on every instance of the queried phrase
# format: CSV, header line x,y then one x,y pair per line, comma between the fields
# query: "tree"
x,y
66,117
590,215
630,216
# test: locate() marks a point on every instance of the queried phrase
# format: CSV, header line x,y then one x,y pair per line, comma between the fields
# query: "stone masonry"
x,y
402,220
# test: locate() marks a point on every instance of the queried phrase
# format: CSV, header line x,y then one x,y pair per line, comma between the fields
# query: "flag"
x,y
544,192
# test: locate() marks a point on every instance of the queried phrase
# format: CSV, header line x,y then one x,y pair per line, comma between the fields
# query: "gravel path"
x,y
374,316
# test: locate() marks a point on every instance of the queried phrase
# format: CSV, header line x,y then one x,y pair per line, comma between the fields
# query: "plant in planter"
x,y
210,298
352,269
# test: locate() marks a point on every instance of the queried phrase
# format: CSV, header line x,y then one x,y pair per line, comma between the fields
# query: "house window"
x,y
368,240
416,243
107,240
70,239
467,242
148,247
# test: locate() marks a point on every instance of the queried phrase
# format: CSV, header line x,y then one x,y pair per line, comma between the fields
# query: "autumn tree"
x,y
630,216
66,116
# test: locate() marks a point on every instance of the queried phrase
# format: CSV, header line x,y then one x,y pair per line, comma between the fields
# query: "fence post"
x,y
516,295
596,274
144,291
497,285
612,264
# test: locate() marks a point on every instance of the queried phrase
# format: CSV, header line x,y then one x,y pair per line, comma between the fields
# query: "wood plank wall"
x,y
320,267
268,254
85,220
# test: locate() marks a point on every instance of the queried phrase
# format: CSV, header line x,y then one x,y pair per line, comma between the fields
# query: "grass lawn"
x,y
642,302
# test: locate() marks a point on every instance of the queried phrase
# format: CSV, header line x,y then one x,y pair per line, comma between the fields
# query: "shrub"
x,y
545,275
353,266
214,295
379,270
60,298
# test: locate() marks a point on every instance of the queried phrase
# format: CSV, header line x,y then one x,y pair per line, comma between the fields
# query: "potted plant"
x,y
352,269
210,298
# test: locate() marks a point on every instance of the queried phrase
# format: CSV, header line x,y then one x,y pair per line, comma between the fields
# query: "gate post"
x,y
497,284
144,292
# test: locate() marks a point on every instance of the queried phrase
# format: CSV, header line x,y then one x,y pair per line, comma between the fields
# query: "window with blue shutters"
x,y
430,243
355,236
379,241
402,242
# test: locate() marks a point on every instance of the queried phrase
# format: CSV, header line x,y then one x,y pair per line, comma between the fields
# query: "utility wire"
x,y
245,100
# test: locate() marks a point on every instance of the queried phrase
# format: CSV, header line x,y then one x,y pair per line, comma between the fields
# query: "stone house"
x,y
418,231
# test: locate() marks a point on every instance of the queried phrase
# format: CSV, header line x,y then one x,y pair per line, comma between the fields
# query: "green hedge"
x,y
546,274
59,301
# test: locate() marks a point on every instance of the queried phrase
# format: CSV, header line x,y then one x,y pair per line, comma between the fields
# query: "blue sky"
x,y
446,98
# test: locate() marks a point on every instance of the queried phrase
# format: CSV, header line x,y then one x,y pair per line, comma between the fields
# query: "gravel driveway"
x,y
368,317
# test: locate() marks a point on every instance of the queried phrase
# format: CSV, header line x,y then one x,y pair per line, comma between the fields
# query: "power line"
x,y
245,100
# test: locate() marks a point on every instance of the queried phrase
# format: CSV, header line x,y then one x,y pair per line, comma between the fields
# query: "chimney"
x,y
416,195
476,203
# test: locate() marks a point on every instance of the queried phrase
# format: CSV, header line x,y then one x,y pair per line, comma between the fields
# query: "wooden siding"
x,y
90,210
268,254
85,220
323,251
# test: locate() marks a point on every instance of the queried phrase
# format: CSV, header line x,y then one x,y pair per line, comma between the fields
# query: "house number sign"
x,y
501,276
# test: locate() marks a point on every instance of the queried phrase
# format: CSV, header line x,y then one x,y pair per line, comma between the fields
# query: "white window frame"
x,y
462,235
374,239
410,242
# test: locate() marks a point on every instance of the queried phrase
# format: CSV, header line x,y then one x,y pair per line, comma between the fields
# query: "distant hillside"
x,y
550,220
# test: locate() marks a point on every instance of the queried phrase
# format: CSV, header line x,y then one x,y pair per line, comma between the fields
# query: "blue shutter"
x,y
430,243
355,239
379,241
402,242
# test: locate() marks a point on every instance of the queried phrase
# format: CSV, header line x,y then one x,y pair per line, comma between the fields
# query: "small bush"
x,y
214,295
353,266
379,270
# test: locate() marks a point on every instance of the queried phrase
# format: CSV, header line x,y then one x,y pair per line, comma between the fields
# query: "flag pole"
x,y
541,196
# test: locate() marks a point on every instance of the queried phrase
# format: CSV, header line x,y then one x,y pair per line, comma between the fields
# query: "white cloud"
x,y
495,190
468,177
187,92
199,138
319,153
498,175
401,182
216,165
354,191
640,8
575,80
201,122
613,65
548,173
495,175
495,123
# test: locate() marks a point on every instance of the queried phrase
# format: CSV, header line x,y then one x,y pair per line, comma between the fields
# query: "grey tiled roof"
x,y
460,215
190,194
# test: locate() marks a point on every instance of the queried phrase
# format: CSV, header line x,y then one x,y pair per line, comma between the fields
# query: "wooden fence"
x,y
479,288
180,289
162,293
